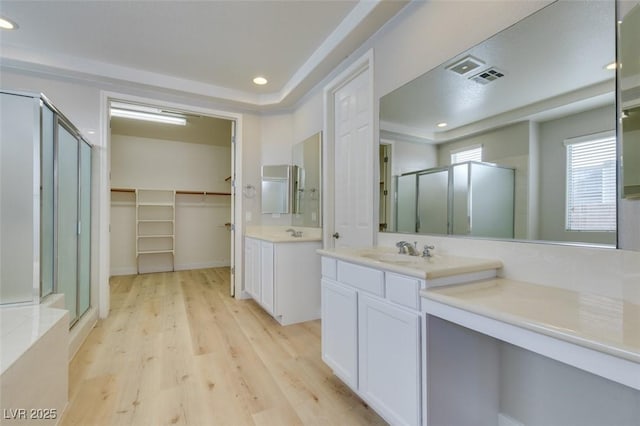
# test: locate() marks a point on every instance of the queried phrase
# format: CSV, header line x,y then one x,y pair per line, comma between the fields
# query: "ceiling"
x,y
553,64
210,48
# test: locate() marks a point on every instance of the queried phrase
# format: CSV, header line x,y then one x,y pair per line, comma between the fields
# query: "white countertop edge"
x,y
612,362
407,270
283,239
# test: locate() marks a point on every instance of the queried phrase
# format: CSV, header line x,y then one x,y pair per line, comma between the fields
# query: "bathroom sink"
x,y
395,258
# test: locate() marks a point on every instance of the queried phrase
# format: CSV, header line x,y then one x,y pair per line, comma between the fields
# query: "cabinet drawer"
x,y
329,268
403,290
361,277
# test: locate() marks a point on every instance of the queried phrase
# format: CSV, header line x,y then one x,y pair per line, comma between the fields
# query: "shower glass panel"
x,y
406,193
67,220
47,205
84,255
492,201
20,190
433,202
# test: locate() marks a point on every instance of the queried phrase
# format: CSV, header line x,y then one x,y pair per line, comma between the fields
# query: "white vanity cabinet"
x,y
284,278
371,332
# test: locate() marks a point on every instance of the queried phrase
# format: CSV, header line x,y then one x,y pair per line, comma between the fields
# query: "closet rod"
x,y
202,193
122,190
177,192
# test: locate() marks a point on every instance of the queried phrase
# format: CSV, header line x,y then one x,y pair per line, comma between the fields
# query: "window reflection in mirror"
x,y
519,95
306,155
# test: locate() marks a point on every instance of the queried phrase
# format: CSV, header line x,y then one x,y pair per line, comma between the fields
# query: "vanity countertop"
x,y
278,234
597,322
416,266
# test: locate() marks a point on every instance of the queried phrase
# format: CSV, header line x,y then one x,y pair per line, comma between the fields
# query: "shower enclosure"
x,y
45,205
470,198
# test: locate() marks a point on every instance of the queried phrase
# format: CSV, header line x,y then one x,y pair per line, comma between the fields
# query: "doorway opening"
x,y
171,201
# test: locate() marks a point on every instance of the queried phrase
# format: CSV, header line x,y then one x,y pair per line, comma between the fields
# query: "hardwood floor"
x,y
176,349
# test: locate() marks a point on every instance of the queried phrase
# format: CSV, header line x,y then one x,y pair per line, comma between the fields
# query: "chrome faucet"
x,y
405,247
294,233
426,252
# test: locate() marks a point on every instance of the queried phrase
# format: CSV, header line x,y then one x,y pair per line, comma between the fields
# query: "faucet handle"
x,y
402,246
427,251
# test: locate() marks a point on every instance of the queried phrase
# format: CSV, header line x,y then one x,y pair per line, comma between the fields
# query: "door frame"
x,y
102,157
360,65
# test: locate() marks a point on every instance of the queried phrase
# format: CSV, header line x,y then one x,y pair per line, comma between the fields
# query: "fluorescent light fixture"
x,y
7,24
443,124
260,81
148,116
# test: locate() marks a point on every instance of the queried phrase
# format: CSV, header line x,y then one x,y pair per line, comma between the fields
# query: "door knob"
x,y
336,235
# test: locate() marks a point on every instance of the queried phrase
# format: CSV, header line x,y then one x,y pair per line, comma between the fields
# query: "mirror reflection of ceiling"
x,y
199,129
547,64
629,42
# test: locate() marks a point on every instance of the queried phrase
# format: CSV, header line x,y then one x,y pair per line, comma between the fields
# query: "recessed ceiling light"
x,y
260,81
611,66
443,124
7,24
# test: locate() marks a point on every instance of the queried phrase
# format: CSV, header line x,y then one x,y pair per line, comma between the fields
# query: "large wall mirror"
x,y
307,157
514,138
629,73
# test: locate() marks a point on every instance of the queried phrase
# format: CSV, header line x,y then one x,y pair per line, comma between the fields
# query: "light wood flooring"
x,y
177,349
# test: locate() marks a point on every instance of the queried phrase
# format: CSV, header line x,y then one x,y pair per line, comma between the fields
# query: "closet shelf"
x,y
155,206
154,251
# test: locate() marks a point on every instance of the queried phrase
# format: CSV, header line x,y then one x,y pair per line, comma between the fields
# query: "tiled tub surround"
x,y
34,345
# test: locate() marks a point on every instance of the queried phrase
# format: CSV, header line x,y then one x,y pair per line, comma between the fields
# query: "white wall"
x,y
411,156
146,163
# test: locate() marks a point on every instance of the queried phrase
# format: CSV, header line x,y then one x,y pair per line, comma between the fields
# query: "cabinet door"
x,y
389,359
252,267
267,290
340,331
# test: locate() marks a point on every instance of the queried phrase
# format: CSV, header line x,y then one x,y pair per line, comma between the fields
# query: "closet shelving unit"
x,y
155,223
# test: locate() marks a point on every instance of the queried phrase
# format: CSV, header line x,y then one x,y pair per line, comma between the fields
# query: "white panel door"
x,y
340,331
389,359
354,168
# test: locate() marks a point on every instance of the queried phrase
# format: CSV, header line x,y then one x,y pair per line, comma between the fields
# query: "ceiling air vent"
x,y
487,76
465,65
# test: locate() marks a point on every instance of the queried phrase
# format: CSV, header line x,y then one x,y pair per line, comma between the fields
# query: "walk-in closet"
x,y
170,190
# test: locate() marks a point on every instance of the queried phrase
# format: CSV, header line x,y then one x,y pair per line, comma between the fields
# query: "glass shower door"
x,y
433,202
406,193
84,254
67,220
47,206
